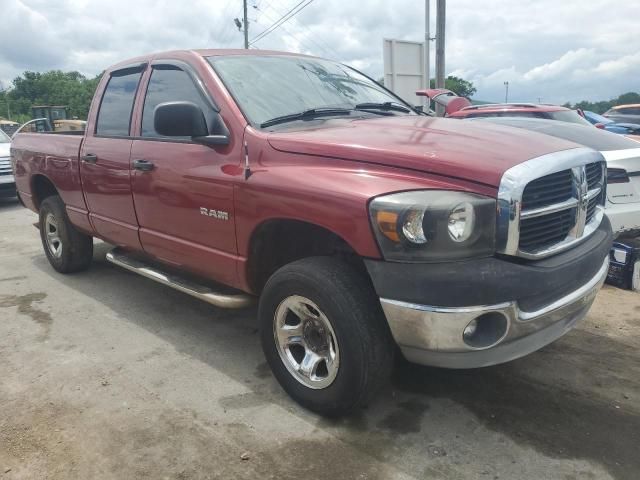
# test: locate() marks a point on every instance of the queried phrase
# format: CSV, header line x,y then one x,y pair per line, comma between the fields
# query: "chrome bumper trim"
x,y
432,335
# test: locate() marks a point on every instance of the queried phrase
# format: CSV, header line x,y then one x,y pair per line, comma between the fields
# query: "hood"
x,y
454,148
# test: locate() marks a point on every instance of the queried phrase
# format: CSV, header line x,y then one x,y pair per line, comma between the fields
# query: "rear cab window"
x,y
116,107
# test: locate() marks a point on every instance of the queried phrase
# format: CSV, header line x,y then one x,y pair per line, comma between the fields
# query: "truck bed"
x,y
53,158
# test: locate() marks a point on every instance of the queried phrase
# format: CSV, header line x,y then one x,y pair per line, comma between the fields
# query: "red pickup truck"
x,y
363,227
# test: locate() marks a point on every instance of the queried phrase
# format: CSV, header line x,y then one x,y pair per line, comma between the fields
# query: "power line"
x,y
297,23
298,38
278,22
221,30
291,13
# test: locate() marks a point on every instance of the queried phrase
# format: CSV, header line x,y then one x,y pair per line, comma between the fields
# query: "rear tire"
x,y
67,249
324,335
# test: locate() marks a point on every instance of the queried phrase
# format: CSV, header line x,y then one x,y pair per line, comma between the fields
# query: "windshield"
x,y
266,87
568,116
4,138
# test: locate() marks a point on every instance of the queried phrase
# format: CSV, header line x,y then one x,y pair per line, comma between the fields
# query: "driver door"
x,y
183,199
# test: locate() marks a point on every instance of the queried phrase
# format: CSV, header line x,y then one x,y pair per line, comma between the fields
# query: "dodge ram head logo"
x,y
219,214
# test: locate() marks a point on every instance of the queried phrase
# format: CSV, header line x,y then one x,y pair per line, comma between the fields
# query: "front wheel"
x,y
324,335
67,249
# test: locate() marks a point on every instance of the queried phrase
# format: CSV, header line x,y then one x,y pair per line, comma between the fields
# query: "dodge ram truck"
x,y
362,228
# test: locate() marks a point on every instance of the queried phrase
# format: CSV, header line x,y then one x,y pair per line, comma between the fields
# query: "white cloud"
x,y
559,51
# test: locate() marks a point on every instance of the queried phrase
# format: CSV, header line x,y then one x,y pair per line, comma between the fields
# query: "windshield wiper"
x,y
387,106
307,114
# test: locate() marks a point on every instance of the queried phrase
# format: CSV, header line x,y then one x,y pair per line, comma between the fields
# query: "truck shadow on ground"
x,y
524,400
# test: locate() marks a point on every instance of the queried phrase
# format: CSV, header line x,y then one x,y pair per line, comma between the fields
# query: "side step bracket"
x,y
202,292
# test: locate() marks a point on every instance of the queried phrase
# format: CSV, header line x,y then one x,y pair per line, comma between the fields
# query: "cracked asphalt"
x,y
107,375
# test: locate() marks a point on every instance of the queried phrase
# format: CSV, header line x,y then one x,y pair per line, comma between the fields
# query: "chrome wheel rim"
x,y
306,342
52,236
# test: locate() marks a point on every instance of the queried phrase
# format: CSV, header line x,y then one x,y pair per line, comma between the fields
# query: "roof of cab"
x,y
213,52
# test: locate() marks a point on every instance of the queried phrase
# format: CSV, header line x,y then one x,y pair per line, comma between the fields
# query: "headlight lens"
x,y
434,225
461,222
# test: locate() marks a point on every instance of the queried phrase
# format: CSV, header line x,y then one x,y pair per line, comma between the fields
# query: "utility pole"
x,y
245,25
506,92
440,28
427,40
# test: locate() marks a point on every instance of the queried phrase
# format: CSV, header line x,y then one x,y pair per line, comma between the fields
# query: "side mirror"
x,y
186,119
599,125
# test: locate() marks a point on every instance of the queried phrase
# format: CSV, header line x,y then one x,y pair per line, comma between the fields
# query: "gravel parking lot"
x,y
108,375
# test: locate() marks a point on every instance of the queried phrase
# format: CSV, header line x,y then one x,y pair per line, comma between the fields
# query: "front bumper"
x,y
523,305
433,335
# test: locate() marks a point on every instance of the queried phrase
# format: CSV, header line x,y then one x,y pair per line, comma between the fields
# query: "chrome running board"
x,y
202,292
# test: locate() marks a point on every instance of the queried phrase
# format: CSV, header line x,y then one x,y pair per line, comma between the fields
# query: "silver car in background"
x,y
7,182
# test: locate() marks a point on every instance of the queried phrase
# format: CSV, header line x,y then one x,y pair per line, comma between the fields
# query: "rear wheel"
x,y
324,335
67,249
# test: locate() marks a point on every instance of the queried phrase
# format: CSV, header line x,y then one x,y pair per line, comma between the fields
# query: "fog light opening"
x,y
485,330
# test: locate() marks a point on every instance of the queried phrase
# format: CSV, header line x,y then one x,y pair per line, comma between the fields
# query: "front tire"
x,y
324,335
67,249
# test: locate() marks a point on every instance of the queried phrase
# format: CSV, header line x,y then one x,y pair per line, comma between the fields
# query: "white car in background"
x,y
7,182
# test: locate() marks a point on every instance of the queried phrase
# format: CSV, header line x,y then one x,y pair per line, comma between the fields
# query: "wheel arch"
x,y
41,188
278,241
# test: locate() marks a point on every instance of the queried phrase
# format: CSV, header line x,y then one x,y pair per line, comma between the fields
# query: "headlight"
x,y
434,225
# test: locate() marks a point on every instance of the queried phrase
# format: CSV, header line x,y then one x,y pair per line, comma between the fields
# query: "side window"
x,y
170,84
114,116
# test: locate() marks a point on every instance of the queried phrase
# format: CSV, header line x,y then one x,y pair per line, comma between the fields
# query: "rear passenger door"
x,y
186,180
104,161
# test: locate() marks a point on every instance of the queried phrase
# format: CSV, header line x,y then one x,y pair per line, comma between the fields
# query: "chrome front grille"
x,y
549,203
5,166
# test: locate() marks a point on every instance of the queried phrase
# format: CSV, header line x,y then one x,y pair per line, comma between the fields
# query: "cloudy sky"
x,y
556,50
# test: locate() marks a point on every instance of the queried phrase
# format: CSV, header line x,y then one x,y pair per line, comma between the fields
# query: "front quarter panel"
x,y
331,193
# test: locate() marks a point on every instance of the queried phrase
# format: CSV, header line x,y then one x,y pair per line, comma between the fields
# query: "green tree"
x,y
604,105
458,85
55,87
629,97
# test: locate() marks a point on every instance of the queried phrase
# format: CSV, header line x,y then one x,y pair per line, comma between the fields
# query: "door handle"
x,y
90,158
143,165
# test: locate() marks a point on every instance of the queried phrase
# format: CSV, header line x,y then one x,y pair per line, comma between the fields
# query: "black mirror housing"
x,y
180,119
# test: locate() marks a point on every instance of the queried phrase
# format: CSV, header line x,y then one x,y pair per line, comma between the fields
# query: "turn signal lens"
x,y
388,225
